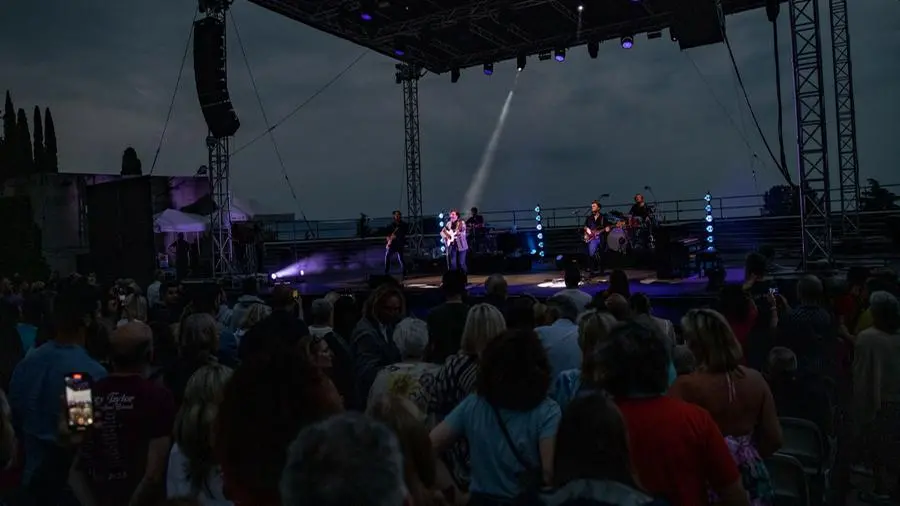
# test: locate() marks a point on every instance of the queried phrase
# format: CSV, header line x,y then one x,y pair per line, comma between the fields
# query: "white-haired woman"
x,y
192,471
456,380
412,377
876,385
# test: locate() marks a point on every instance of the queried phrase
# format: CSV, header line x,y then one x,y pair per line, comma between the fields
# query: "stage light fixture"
x,y
521,60
454,75
627,42
544,55
560,55
488,69
593,49
399,48
539,219
580,7
441,224
710,228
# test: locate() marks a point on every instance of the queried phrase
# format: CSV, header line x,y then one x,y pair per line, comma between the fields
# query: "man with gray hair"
x,y
348,459
560,336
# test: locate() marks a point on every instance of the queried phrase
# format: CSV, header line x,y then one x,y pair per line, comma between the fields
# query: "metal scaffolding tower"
x,y
220,219
408,76
812,135
848,166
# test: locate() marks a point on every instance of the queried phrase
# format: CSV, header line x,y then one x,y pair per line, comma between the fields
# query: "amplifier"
x,y
678,258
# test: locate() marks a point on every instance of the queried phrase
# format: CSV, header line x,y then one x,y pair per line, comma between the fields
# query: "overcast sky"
x,y
575,130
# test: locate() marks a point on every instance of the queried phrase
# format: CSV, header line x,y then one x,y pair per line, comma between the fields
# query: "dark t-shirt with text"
x,y
129,412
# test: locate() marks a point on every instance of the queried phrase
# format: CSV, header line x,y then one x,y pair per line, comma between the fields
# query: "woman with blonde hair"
x,y
419,462
134,309
255,313
593,327
198,342
192,470
737,397
456,379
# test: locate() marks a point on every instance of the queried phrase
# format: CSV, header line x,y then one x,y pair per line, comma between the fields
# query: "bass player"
x,y
395,244
596,227
453,236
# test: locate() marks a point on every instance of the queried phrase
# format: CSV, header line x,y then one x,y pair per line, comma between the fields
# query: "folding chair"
x,y
789,480
804,441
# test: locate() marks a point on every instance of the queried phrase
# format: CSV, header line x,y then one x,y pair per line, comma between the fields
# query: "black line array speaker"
x,y
120,229
698,23
211,77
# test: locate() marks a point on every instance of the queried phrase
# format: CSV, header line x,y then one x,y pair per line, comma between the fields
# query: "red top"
x,y
677,450
742,329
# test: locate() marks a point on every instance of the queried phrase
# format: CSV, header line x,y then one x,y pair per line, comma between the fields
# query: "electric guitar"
x,y
390,238
448,236
591,234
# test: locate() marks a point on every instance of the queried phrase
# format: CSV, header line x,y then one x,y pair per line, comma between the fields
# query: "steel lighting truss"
x,y
812,136
408,76
848,165
220,219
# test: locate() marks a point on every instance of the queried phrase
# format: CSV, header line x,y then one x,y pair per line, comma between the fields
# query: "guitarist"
x,y
396,241
596,226
453,236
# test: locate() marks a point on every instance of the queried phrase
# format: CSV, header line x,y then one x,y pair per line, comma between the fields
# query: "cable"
x,y
727,114
304,103
773,18
269,128
737,72
162,136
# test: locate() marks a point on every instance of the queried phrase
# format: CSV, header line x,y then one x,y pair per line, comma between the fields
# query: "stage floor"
x,y
540,283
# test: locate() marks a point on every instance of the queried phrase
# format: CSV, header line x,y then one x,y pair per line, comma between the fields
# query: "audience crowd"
x,y
577,400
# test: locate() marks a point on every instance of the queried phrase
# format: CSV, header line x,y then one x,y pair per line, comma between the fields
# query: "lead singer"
x,y
453,235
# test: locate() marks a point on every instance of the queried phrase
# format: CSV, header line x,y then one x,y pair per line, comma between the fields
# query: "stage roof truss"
x,y
442,35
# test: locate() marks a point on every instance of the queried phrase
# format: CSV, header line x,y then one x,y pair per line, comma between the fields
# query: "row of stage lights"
x,y
369,7
710,228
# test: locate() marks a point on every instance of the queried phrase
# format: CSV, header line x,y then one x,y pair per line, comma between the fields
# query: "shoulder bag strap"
x,y
524,463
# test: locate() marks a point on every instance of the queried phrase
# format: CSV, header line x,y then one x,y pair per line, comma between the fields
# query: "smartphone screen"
x,y
79,402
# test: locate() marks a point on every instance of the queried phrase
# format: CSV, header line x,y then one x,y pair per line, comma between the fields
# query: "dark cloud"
x,y
575,130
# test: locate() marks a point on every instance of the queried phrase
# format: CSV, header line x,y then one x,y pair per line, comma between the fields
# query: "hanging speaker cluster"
x,y
211,77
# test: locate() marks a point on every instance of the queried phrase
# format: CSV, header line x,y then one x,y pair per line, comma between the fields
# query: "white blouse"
x,y
178,484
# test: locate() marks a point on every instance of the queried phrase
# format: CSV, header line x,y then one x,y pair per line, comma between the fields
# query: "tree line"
x,y
23,152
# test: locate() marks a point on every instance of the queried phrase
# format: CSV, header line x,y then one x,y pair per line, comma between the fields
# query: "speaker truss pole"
x,y
219,151
220,219
408,76
848,165
812,135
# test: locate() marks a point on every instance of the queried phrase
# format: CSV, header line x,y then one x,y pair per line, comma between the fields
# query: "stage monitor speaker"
x,y
698,23
211,77
120,229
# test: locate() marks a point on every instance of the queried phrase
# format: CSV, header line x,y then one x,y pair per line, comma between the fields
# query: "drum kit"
x,y
630,233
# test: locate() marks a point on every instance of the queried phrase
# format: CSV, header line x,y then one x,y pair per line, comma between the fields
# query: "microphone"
x,y
605,195
647,188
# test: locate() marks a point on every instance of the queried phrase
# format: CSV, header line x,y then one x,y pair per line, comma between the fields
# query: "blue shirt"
x,y
27,334
567,385
494,465
560,340
35,395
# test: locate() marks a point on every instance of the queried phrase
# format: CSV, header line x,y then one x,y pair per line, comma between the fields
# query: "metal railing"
x,y
667,211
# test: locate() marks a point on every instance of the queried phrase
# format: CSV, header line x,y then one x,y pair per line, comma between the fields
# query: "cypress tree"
x,y
23,139
10,152
38,141
51,160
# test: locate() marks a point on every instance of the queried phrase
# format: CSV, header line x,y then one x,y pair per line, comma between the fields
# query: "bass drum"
x,y
617,240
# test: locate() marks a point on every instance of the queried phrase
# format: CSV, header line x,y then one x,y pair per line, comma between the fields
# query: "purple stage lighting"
x,y
560,55
488,69
365,16
627,42
399,52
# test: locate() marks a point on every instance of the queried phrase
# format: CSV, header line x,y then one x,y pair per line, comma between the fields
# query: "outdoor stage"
x,y
539,283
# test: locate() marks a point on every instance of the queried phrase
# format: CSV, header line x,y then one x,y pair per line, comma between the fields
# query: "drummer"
x,y
640,208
